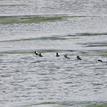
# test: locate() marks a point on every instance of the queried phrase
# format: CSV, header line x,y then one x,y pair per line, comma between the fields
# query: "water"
x,y
71,7
27,80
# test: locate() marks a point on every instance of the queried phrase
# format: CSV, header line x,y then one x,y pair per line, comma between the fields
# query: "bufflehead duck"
x,y
57,55
36,53
65,56
40,55
99,60
78,57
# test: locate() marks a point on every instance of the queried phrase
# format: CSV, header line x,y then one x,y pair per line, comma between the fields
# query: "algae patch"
x,y
28,19
35,18
98,105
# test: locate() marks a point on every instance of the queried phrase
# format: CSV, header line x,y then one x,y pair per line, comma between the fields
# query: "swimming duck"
x,y
39,54
65,56
78,57
36,53
99,60
57,55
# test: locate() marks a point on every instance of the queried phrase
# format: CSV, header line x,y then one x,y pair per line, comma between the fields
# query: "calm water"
x,y
71,7
27,80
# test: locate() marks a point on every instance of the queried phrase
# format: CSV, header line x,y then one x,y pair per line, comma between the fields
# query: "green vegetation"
x,y
103,54
27,19
34,19
98,105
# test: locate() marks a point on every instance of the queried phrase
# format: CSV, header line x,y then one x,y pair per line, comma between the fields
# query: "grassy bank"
x,y
27,19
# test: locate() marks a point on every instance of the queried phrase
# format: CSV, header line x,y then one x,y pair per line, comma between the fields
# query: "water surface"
x,y
27,80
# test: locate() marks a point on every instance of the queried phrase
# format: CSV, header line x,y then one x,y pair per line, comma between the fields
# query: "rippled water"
x,y
71,7
27,80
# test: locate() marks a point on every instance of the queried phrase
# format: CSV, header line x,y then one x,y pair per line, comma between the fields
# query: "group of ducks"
x,y
57,55
65,56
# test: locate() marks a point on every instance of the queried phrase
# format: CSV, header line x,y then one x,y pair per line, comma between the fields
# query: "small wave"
x,y
32,51
40,38
87,34
66,104
54,104
97,44
56,37
7,5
